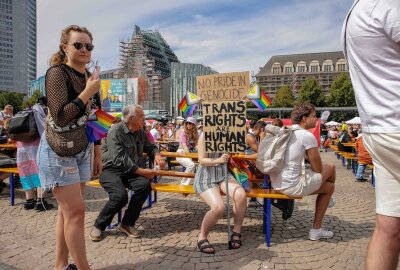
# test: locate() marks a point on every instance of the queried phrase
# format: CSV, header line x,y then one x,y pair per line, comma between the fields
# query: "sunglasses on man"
x,y
79,45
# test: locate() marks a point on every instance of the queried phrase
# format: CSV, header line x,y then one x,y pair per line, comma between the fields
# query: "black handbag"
x,y
69,140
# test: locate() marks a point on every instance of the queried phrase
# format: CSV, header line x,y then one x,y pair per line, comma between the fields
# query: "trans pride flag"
x,y
188,104
98,125
259,98
26,163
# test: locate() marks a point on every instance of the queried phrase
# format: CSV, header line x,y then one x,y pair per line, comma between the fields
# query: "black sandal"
x,y
235,243
203,245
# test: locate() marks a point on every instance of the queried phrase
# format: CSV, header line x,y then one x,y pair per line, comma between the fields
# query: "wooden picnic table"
x,y
13,173
351,144
195,155
10,146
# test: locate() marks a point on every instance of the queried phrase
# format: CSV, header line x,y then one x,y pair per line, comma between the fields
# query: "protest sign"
x,y
224,126
223,86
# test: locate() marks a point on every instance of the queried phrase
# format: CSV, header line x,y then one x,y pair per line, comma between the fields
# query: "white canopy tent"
x,y
355,121
332,123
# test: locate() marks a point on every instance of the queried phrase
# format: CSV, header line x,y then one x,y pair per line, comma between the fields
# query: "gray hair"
x,y
129,111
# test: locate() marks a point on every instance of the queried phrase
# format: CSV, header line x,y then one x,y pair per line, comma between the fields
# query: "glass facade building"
x,y
39,84
183,80
17,44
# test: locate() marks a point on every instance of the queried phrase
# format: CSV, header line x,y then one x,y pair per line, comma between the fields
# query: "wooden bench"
x,y
13,172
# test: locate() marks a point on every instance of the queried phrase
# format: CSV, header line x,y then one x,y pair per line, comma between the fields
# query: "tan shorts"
x,y
385,151
309,183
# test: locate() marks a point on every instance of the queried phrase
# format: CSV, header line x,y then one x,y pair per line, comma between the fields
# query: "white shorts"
x,y
384,148
309,183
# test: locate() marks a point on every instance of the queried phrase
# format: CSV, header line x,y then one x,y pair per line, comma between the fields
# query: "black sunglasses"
x,y
79,45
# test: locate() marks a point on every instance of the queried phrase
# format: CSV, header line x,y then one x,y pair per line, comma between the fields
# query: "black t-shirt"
x,y
344,138
324,130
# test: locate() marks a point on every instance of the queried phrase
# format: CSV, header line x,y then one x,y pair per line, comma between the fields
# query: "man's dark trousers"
x,y
115,183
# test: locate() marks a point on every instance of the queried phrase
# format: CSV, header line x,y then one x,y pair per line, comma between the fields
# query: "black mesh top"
x,y
63,85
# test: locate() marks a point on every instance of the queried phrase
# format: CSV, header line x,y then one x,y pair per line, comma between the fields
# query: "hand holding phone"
x,y
96,72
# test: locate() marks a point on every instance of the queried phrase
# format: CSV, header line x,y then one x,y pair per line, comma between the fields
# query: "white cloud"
x,y
221,42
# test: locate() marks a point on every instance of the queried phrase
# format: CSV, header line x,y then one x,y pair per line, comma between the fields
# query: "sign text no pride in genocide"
x,y
224,126
224,86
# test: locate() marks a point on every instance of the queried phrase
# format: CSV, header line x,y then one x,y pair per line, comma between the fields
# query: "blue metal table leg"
x,y
265,213
268,225
120,217
149,200
12,189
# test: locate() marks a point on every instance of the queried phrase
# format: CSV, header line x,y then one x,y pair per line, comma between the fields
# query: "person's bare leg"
x,y
384,247
213,199
70,200
61,246
29,194
82,186
62,251
238,195
324,194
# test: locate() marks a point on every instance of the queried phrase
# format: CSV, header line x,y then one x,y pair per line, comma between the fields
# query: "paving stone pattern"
x,y
171,226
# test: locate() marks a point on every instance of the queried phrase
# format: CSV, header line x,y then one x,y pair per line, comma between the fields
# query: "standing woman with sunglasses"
x,y
70,90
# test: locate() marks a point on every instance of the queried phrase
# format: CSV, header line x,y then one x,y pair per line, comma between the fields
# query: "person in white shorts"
x,y
297,180
371,44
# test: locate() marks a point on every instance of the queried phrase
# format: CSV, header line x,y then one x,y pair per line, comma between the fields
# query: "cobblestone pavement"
x,y
170,230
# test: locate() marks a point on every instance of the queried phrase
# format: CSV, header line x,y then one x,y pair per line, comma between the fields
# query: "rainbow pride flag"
x,y
97,128
188,104
263,103
259,98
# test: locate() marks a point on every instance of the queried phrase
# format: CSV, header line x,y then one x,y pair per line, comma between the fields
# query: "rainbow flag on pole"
x,y
97,127
259,98
188,104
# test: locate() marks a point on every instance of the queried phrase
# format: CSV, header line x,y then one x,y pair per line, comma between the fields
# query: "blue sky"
x,y
225,35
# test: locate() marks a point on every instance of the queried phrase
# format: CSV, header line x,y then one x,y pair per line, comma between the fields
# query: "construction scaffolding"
x,y
147,55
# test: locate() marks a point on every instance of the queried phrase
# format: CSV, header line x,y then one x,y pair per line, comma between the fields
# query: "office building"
x,y
17,44
294,69
183,80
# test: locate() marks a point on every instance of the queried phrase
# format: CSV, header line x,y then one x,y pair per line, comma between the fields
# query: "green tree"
x,y
311,92
283,97
341,92
32,100
11,98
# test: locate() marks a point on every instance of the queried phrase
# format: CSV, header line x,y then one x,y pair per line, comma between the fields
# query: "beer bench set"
x,y
265,193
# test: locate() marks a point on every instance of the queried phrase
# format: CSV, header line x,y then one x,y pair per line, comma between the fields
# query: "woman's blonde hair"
x,y
60,56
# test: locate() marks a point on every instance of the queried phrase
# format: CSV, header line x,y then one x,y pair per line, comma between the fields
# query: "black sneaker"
x,y
41,206
72,266
361,180
28,205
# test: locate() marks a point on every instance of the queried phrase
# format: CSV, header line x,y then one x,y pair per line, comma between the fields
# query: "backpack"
x,y
22,126
271,150
6,162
